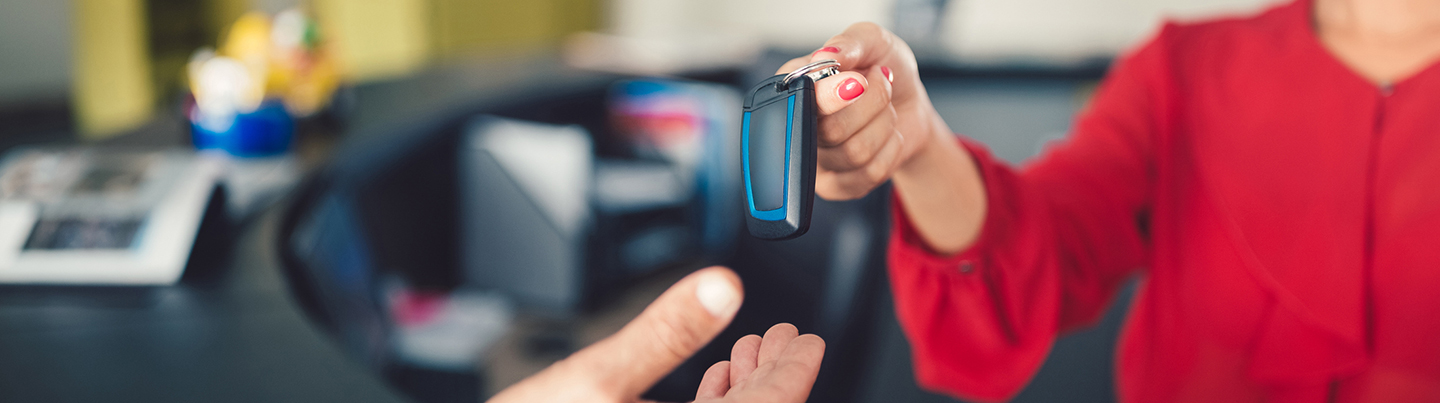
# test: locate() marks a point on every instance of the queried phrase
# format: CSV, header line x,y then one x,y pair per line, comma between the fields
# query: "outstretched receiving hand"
x,y
780,368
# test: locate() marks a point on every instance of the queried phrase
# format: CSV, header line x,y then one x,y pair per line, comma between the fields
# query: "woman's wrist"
x,y
942,191
930,146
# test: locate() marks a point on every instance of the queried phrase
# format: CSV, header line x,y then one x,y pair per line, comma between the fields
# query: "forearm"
x,y
943,192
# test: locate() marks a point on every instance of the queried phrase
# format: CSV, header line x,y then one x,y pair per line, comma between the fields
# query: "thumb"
x,y
680,322
839,91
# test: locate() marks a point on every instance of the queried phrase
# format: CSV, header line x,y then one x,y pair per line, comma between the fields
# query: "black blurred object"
x,y
430,385
214,242
35,122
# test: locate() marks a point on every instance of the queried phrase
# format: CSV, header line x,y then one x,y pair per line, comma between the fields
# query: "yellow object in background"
x,y
112,91
375,39
260,59
116,86
249,42
314,90
469,27
222,13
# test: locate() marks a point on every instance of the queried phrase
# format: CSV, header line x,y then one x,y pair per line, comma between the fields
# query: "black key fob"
x,y
778,147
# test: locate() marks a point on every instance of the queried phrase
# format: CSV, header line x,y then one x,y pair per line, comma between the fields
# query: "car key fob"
x,y
778,147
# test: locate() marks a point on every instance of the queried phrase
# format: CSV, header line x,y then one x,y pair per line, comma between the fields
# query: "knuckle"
x,y
884,94
876,173
850,194
834,194
829,187
588,378
824,193
833,130
676,341
854,188
856,152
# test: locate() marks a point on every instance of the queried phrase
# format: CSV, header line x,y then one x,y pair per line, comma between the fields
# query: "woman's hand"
x,y
874,115
779,368
877,122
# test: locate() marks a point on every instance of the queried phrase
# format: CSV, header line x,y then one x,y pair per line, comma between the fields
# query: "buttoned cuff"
x,y
911,247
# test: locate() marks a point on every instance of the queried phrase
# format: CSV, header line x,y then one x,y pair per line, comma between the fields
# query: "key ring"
x,y
816,71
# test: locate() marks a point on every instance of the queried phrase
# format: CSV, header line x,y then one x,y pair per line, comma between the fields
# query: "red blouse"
x,y
1283,212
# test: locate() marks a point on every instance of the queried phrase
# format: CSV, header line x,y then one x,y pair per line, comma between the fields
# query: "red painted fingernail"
x,y
886,71
850,89
830,49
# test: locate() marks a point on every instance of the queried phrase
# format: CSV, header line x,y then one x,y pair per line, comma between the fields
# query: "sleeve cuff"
x,y
913,249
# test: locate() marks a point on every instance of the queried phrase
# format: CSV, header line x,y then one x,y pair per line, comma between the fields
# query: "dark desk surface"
x,y
229,332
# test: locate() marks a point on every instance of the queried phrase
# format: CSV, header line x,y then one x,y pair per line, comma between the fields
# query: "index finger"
x,y
860,46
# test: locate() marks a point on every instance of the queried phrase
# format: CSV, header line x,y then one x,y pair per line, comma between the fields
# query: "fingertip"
x,y
745,348
831,50
743,358
884,79
721,369
776,340
796,368
810,339
857,44
885,75
808,350
749,339
838,91
727,273
782,329
849,89
718,289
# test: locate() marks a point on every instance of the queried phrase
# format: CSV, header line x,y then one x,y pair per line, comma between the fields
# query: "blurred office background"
x,y
468,190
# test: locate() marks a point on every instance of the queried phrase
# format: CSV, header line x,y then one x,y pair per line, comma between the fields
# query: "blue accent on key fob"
x,y
778,150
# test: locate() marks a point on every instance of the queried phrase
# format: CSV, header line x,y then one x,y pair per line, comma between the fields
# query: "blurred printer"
x,y
553,224
524,190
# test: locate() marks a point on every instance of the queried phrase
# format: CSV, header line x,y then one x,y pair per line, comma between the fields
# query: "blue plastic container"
x,y
265,132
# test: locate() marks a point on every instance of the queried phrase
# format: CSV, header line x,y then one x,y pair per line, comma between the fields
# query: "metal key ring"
x,y
816,70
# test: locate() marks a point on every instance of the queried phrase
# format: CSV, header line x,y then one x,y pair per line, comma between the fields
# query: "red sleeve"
x,y
1059,238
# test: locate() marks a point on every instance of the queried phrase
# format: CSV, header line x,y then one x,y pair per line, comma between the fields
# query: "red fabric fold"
x,y
1279,207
